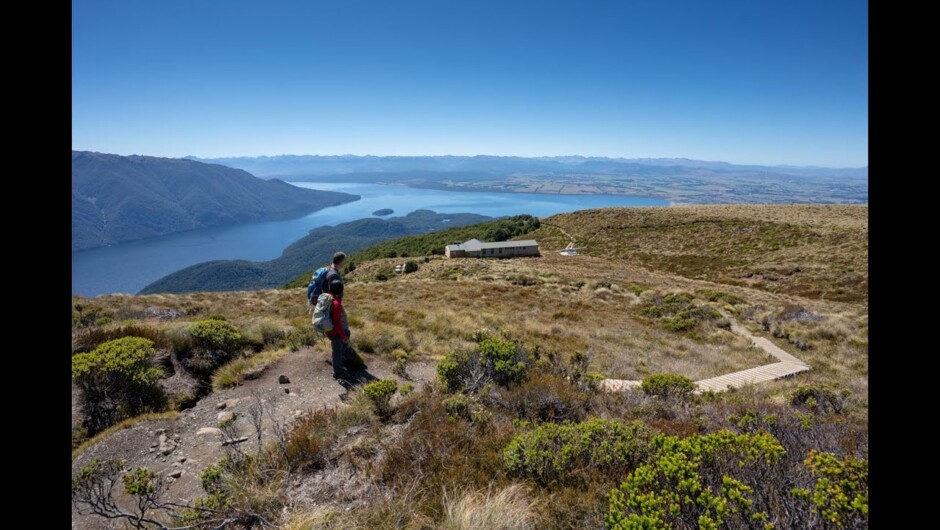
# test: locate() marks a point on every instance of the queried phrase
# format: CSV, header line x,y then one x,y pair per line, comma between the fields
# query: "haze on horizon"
x,y
743,82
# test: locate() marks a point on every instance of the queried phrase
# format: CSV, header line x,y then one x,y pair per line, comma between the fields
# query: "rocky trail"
x,y
179,449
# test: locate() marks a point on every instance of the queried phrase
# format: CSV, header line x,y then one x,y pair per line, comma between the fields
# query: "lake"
x,y
129,267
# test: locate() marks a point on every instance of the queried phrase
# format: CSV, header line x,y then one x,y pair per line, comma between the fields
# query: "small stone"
x,y
283,379
220,405
166,445
209,431
176,474
226,416
160,431
152,449
287,391
182,460
154,446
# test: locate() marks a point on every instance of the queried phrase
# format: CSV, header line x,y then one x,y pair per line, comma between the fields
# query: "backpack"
x,y
315,288
322,321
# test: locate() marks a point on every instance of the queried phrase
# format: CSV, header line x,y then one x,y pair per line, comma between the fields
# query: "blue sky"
x,y
750,81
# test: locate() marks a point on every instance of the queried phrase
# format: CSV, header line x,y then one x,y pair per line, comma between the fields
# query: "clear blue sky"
x,y
745,81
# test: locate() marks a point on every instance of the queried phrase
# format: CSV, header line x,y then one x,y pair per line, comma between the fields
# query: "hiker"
x,y
332,274
320,281
339,335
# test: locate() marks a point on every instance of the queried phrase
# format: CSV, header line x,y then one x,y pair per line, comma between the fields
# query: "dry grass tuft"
x,y
241,368
508,509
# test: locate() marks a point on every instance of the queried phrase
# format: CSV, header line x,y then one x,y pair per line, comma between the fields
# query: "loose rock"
x,y
209,431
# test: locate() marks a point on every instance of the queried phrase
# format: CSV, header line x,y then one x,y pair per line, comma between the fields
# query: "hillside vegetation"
x,y
810,251
124,198
515,432
433,243
311,251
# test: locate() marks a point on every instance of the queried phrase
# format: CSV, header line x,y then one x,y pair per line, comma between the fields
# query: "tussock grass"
x,y
126,424
509,508
795,275
817,251
235,371
590,303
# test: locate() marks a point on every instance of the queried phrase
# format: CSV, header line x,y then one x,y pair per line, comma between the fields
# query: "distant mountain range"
x,y
124,198
299,167
313,250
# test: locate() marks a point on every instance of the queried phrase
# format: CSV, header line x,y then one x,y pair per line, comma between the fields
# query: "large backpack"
x,y
322,321
315,288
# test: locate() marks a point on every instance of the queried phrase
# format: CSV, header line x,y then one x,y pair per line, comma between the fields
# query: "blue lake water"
x,y
129,267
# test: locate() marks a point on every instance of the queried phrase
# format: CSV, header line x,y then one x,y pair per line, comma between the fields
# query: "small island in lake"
x,y
383,212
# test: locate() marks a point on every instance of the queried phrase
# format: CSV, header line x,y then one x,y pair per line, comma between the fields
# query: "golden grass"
x,y
817,251
126,424
589,303
507,509
234,372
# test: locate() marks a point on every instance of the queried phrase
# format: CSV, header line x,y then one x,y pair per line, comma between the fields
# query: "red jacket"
x,y
338,316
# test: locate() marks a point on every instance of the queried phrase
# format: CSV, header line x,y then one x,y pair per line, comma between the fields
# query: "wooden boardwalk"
x,y
786,366
761,374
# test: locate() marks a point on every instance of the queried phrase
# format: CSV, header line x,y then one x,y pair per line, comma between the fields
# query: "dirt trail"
x,y
311,387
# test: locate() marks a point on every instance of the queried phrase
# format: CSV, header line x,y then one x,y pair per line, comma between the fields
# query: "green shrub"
x,y
668,386
270,333
118,380
819,399
140,482
213,343
380,395
462,406
501,357
458,405
840,494
635,288
215,334
94,474
678,312
411,266
547,396
523,280
300,337
696,482
494,360
566,453
669,304
718,296
363,342
211,478
401,367
85,316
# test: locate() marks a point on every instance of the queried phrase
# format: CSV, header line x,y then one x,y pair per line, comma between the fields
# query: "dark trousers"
x,y
340,354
